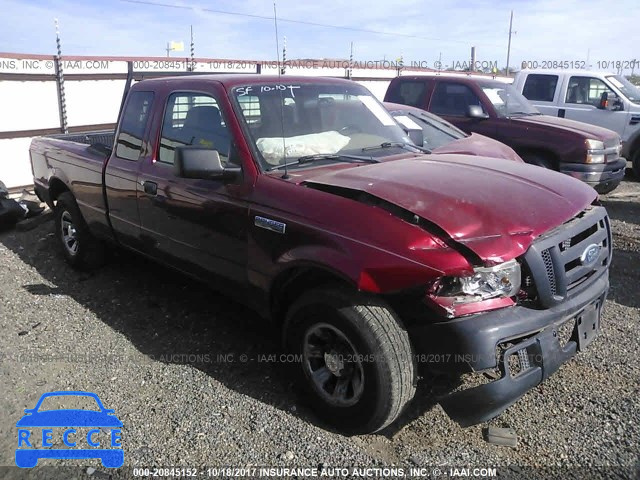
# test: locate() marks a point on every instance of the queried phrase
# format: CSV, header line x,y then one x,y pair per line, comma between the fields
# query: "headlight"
x,y
500,281
595,144
595,151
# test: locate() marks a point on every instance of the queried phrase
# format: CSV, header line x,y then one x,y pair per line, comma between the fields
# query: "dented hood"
x,y
495,207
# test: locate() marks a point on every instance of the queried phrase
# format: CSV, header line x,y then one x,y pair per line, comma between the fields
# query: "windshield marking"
x,y
374,107
242,91
407,122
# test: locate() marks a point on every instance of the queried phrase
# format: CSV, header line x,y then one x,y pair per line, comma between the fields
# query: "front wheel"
x,y
80,248
353,358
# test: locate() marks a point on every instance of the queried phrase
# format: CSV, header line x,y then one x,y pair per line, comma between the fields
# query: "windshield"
x,y
65,402
508,101
435,131
627,88
293,120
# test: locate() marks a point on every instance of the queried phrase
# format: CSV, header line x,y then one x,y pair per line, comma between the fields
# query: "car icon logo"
x,y
103,429
590,254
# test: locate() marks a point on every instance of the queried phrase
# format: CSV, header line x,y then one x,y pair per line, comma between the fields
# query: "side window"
x,y
540,87
408,93
133,124
193,119
586,90
452,99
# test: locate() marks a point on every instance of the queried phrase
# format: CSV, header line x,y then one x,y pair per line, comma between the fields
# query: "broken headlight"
x,y
486,282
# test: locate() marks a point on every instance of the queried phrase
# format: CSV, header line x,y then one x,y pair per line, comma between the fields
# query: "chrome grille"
x,y
558,260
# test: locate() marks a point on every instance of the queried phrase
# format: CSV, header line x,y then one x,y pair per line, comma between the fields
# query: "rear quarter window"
x,y
540,87
408,92
133,125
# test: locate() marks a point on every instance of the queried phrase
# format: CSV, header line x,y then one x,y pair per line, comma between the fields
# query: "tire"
x,y
539,160
360,353
606,189
635,164
80,248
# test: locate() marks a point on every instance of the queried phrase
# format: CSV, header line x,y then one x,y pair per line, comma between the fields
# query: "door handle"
x,y
150,188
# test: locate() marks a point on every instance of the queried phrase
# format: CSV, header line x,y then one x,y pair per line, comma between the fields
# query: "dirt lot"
x,y
167,354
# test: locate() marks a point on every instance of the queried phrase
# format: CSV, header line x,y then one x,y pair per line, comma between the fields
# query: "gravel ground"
x,y
166,353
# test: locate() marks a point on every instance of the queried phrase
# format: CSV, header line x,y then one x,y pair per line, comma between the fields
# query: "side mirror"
x,y
609,101
203,163
475,111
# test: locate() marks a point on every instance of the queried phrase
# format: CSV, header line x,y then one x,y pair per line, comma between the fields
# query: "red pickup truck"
x,y
303,198
497,110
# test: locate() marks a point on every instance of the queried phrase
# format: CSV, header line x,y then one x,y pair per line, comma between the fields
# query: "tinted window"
x,y
193,119
452,99
408,93
586,90
134,122
540,87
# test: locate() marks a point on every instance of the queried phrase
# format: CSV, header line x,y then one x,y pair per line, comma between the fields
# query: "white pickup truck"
x,y
599,98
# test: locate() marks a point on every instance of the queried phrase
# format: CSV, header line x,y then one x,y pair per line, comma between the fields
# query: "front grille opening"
x,y
548,265
519,362
585,234
566,244
565,332
572,264
581,280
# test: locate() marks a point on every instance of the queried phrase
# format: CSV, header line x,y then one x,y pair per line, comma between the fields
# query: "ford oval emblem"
x,y
590,254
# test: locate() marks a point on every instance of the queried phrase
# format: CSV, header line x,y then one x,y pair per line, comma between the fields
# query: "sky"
x,y
421,31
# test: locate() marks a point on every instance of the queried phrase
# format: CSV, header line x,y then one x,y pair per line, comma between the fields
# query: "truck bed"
x,y
76,160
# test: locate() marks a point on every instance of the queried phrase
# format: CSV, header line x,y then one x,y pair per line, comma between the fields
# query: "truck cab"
x,y
598,98
495,109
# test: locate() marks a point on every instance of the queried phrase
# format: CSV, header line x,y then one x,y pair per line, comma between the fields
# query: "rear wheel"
x,y
353,358
80,248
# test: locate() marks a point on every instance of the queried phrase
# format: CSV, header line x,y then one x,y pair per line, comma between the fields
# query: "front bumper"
x,y
471,344
601,176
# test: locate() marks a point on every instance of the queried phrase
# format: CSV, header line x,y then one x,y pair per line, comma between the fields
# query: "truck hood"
x,y
476,144
495,207
586,129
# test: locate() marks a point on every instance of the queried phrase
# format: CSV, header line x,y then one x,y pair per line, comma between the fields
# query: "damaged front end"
x,y
504,352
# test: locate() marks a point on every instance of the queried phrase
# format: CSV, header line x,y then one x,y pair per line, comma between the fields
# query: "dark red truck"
x,y
497,110
302,197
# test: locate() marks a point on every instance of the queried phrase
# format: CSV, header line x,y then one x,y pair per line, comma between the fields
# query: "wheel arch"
x,y
297,279
56,188
538,151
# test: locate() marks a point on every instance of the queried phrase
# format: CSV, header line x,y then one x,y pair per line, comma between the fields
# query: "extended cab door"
x,y
121,172
582,99
451,101
198,226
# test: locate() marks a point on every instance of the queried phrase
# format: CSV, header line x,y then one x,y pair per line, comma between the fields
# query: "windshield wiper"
x,y
404,145
326,156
